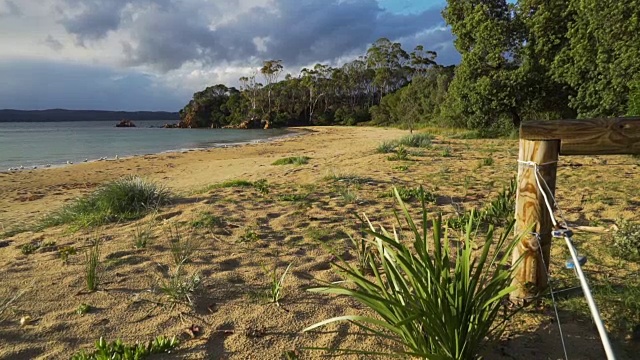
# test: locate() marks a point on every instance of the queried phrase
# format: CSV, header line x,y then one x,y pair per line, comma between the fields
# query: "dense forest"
x,y
532,59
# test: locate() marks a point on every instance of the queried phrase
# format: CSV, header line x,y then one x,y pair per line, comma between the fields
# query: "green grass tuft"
x,y
386,147
92,262
119,350
421,140
293,160
129,198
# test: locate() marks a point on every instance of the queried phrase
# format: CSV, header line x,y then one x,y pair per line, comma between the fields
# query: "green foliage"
x,y
434,301
276,284
83,309
626,240
128,198
386,147
488,161
30,248
446,152
181,287
347,193
65,252
117,350
294,160
249,235
409,194
634,99
92,263
401,153
422,140
207,220
498,212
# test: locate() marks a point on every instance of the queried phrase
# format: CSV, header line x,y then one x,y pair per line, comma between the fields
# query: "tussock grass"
x,y
125,199
387,147
182,246
92,263
293,160
181,287
434,300
420,140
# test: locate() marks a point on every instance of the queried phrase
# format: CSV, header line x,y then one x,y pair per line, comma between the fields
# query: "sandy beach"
x,y
258,231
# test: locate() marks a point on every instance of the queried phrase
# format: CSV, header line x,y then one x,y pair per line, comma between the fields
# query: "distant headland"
x,y
56,115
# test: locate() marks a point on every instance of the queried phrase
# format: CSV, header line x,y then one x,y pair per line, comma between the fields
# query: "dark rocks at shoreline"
x,y
125,123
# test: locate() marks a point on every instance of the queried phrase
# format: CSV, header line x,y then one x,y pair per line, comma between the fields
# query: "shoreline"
x,y
28,195
291,133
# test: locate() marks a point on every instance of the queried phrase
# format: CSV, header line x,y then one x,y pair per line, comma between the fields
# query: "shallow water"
x,y
31,144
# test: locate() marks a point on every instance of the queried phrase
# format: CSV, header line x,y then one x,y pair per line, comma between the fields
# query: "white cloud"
x,y
189,44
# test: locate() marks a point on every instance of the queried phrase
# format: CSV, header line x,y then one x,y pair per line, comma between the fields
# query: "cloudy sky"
x,y
153,54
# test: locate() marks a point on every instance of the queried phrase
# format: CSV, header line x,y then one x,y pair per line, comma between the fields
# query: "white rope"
x,y
553,298
595,313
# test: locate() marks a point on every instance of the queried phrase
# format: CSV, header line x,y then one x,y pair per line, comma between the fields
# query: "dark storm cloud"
x,y
299,32
45,84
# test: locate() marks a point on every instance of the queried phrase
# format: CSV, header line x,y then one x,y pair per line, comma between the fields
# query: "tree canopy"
x,y
520,61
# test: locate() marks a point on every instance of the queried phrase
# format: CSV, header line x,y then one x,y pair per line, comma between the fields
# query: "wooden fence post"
x,y
532,215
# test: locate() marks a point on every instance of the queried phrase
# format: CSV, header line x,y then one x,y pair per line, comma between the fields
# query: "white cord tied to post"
x,y
595,313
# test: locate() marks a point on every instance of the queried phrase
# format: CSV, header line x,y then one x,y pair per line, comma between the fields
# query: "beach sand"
x,y
303,211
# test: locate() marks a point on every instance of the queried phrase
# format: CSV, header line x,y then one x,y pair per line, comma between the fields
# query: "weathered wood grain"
x,y
588,136
532,215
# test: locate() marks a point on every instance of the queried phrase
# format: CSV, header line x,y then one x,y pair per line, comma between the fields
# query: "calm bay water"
x,y
39,143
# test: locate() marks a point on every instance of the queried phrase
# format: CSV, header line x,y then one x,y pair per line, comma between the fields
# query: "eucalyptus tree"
x,y
271,70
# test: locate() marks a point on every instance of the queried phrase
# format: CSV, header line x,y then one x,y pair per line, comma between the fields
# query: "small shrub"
x,y
129,198
400,154
83,309
65,252
118,350
181,287
92,262
294,160
401,168
422,140
277,283
626,240
436,300
249,235
262,186
30,248
386,147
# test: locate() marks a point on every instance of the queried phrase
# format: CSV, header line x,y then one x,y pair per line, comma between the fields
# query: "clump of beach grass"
x,y
181,287
421,140
293,160
387,147
92,262
436,300
182,246
125,199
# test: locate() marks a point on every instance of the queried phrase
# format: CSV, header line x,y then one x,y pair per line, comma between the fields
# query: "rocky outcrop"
x,y
171,126
125,123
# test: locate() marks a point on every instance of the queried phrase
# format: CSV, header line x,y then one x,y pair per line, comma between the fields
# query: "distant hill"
x,y
8,115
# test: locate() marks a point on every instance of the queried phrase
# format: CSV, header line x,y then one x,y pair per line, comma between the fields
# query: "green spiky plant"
x,y
276,283
92,263
435,302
